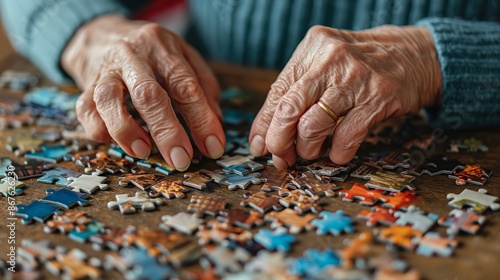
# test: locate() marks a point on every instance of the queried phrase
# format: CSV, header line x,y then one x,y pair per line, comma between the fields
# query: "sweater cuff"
x,y
52,33
469,54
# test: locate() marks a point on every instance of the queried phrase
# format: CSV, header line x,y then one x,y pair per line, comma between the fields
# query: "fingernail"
x,y
140,148
180,158
280,163
257,146
214,147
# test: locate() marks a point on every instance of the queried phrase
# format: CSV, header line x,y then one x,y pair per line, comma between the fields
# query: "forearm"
x,y
40,30
469,55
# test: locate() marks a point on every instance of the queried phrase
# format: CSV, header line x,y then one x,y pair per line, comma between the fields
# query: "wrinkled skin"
x,y
365,77
112,56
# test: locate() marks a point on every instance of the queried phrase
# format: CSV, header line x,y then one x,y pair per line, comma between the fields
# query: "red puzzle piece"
x,y
398,200
364,195
377,215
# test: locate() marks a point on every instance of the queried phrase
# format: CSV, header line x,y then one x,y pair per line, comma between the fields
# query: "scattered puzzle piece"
x,y
459,220
74,265
226,161
200,179
377,215
363,194
313,186
208,205
240,218
365,170
67,222
313,263
326,167
36,210
34,252
65,198
141,180
432,243
187,254
437,165
58,176
272,264
278,239
87,183
390,181
183,222
274,178
416,218
52,154
218,232
400,200
356,248
234,181
103,163
334,223
130,204
10,186
158,163
224,259
154,240
83,234
401,236
243,168
473,174
30,169
291,219
301,202
479,201
262,201
392,160
111,238
168,189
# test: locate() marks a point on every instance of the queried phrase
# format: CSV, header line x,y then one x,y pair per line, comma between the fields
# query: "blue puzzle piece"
x,y
334,223
65,198
278,240
92,228
49,153
59,176
234,181
36,210
42,96
313,262
117,152
5,165
243,168
143,266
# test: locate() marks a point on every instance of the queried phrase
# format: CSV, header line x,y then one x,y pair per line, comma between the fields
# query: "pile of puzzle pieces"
x,y
247,241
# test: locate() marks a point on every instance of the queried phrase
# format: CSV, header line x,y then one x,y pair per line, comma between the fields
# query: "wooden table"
x,y
475,258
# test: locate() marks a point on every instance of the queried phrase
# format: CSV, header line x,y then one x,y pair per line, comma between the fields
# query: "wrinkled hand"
x,y
365,77
111,56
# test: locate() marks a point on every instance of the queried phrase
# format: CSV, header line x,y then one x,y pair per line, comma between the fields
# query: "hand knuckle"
x,y
104,91
189,91
288,108
151,29
145,93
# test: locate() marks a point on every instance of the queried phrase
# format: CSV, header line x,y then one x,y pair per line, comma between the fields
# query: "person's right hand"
x,y
111,56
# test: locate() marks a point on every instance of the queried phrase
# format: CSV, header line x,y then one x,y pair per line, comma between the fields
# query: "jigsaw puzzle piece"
x,y
84,233
437,165
143,181
243,168
365,170
262,201
52,154
200,179
314,186
58,176
168,189
110,238
241,218
36,210
377,215
103,163
208,205
473,174
301,202
479,201
9,186
365,196
278,239
75,264
158,163
416,218
313,263
333,222
65,198
390,181
433,244
235,181
291,219
87,183
400,200
129,204
30,169
224,259
135,263
326,167
67,222
459,220
402,236
182,222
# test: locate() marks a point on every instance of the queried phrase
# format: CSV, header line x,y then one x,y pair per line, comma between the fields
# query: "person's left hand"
x,y
365,77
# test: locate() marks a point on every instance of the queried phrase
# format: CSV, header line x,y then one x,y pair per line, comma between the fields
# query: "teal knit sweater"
x,y
265,32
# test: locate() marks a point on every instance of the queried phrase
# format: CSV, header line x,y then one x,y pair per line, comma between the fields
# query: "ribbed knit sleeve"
x,y
40,29
469,54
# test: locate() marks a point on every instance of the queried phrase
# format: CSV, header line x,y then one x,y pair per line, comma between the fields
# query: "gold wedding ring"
x,y
328,110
